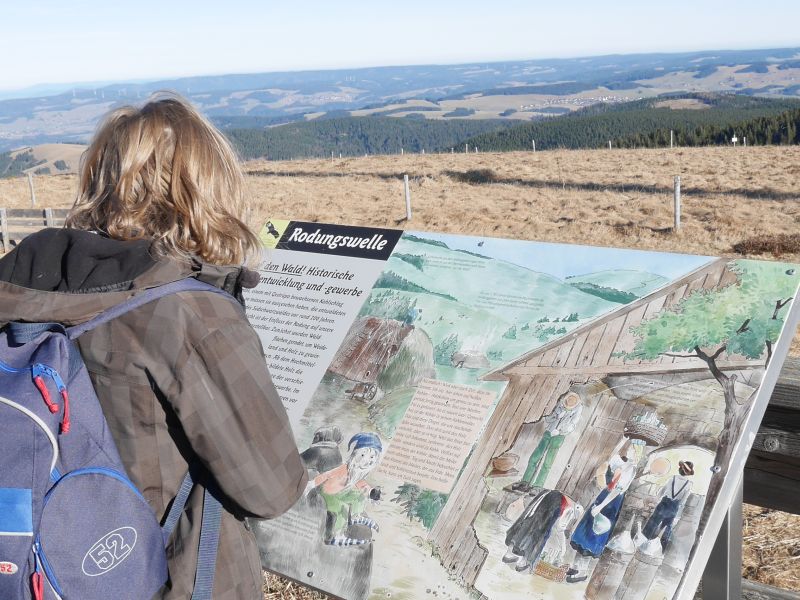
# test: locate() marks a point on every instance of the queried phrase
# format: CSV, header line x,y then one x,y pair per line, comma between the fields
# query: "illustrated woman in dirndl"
x,y
592,533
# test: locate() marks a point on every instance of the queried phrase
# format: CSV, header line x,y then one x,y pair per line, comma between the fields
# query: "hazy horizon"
x,y
89,42
66,85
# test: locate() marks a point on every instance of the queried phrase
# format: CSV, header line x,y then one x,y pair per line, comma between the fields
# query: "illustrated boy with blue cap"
x,y
345,490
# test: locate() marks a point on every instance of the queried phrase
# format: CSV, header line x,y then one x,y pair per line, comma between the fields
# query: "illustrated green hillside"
x,y
617,285
483,307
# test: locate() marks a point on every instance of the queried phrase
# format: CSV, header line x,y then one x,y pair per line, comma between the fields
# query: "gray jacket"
x,y
182,379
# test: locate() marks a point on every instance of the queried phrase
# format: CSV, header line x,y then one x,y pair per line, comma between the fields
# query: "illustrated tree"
x,y
739,320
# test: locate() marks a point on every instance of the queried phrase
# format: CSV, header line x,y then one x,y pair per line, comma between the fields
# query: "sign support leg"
x,y
722,579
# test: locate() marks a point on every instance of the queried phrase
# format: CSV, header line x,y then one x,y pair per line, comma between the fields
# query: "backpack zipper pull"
x,y
65,424
38,381
37,581
62,389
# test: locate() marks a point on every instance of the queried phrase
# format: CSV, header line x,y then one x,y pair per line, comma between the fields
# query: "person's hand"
x,y
595,511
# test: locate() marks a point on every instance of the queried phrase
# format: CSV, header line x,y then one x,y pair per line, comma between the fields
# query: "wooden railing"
x,y
16,223
772,473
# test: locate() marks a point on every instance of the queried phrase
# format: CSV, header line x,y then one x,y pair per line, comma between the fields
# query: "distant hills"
x,y
695,118
516,91
354,136
643,123
46,159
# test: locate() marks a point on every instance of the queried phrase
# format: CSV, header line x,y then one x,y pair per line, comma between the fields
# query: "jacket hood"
x,y
69,276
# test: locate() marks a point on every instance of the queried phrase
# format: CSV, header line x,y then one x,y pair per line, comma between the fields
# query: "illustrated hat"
x,y
687,466
365,440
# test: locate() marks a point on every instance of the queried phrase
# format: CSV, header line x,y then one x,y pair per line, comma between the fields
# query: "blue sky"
x,y
563,260
49,41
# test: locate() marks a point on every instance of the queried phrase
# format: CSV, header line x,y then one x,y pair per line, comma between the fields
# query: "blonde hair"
x,y
162,172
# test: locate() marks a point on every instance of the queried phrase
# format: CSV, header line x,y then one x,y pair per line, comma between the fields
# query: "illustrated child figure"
x,y
593,531
559,424
669,509
345,490
556,546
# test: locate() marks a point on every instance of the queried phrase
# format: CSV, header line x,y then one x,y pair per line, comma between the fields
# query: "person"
x,y
182,380
548,514
670,507
323,454
592,533
558,424
345,491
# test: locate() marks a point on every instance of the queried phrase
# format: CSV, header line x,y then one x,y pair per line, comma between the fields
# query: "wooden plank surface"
x,y
772,481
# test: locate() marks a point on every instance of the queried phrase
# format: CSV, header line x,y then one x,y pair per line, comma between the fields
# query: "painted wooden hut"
x,y
592,354
369,346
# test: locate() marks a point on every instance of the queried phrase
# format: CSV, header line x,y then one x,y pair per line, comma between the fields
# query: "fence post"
x,y
48,218
670,138
534,145
4,228
33,193
609,144
408,197
466,148
677,203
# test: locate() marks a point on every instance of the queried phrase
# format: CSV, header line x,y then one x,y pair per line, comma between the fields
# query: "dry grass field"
x,y
736,202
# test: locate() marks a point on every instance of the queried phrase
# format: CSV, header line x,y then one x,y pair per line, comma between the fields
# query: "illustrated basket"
x,y
652,435
548,571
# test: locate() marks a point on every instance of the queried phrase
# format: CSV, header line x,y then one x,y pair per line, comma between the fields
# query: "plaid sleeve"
x,y
236,424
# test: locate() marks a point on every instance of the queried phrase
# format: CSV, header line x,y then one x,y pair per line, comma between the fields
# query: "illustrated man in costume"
x,y
346,492
558,424
669,509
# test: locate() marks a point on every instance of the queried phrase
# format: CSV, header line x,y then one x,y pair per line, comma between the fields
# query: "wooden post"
x,y
670,137
423,150
408,197
48,218
466,148
4,229
677,203
745,141
401,152
534,145
30,185
609,144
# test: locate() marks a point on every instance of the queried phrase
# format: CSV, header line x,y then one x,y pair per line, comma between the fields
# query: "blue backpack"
x,y
72,525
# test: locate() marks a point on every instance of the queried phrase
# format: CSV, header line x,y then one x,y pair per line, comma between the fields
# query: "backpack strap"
x,y
183,285
209,534
207,550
